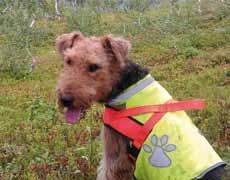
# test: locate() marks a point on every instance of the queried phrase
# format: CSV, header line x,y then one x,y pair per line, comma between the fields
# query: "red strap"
x,y
120,121
145,130
169,107
125,125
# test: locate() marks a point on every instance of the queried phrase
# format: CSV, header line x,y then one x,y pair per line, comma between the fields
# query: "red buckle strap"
x,y
120,121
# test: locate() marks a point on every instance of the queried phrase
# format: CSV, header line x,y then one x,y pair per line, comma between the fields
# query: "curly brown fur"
x,y
96,69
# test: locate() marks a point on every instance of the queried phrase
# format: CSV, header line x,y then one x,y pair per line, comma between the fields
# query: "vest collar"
x,y
120,100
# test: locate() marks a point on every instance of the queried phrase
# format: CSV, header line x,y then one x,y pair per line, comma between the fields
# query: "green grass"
x,y
187,53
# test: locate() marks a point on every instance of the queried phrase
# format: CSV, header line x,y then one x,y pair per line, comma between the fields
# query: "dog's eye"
x,y
93,67
69,62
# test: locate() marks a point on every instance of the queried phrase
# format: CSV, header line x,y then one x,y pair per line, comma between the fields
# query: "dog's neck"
x,y
130,75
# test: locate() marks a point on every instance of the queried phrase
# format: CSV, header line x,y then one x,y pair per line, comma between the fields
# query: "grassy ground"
x,y
188,53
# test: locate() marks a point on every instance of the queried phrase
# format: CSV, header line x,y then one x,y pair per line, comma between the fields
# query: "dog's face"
x,y
91,67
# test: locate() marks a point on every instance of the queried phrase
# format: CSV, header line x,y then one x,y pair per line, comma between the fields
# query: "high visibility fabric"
x,y
175,149
121,121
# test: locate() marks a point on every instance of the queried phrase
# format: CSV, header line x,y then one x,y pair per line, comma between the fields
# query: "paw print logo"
x,y
159,157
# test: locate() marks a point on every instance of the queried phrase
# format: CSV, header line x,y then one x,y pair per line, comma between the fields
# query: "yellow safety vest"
x,y
175,149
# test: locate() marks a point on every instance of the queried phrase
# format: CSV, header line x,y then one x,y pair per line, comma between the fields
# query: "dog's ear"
x,y
66,41
116,47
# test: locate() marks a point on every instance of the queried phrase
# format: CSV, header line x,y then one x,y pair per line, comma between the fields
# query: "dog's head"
x,y
91,67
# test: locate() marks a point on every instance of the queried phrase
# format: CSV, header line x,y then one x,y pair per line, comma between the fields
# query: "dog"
x,y
97,69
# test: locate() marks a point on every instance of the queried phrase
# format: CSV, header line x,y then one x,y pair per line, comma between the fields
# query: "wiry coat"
x,y
96,69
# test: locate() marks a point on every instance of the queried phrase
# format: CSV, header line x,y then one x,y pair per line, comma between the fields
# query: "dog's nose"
x,y
67,100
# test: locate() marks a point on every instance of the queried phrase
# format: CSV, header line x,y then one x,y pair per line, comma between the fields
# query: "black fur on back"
x,y
129,76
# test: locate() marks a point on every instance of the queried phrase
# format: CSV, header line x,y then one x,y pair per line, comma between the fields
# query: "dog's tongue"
x,y
72,115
